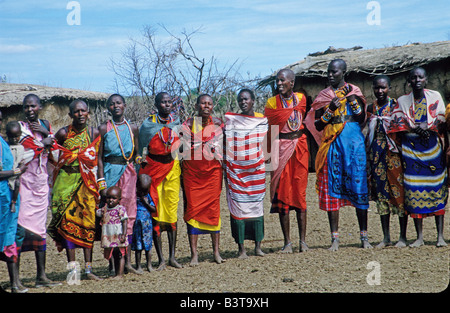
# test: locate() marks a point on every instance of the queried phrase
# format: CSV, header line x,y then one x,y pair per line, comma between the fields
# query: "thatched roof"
x,y
388,61
13,94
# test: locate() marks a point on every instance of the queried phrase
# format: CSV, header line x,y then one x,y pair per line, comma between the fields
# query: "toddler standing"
x,y
114,224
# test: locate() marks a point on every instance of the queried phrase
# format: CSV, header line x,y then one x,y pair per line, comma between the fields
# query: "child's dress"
x,y
111,229
143,228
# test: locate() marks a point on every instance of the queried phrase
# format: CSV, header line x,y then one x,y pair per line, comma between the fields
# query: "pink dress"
x,y
112,219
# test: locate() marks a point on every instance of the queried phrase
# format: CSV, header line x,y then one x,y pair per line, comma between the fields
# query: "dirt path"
x,y
351,269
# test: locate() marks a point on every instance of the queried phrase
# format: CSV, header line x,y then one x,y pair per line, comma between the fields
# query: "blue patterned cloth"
x,y
425,174
8,220
347,175
143,227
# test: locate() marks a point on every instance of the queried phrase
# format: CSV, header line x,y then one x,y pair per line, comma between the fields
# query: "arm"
x,y
36,126
323,116
135,131
123,235
15,195
358,110
100,168
61,136
148,206
14,172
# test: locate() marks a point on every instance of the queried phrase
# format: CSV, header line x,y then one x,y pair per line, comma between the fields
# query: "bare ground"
x,y
349,270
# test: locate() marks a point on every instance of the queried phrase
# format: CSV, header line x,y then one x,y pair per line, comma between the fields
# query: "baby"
x,y
13,133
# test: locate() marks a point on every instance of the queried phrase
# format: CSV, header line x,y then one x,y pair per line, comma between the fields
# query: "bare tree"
x,y
149,65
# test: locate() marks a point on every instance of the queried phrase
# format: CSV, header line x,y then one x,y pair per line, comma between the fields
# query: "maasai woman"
x,y
341,158
245,172
386,174
289,177
75,191
9,213
202,138
37,139
158,134
420,116
117,152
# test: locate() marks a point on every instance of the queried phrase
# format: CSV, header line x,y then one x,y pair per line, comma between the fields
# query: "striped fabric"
x,y
244,163
425,177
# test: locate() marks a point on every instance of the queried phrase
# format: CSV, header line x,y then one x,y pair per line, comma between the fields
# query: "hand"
x,y
13,207
47,142
37,127
22,167
122,238
422,132
351,98
334,104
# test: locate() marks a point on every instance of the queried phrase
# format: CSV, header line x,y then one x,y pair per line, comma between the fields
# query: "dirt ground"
x,y
349,270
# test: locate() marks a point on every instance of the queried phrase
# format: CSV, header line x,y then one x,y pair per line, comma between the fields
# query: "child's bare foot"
x,y
218,259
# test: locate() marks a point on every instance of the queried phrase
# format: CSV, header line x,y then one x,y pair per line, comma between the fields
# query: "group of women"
x,y
400,164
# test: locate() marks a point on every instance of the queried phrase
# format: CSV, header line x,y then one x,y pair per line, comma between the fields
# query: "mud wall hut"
x,y
55,103
364,64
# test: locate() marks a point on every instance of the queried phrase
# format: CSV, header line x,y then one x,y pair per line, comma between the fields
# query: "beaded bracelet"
x,y
17,171
326,117
101,184
356,108
138,159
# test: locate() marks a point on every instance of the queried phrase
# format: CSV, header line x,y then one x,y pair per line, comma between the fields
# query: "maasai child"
x,y
341,160
116,156
202,137
75,192
245,172
9,213
386,174
158,141
289,178
143,229
114,229
37,139
13,133
420,116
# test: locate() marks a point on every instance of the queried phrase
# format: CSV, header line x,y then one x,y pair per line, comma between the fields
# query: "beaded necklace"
x,y
170,138
379,110
163,120
120,141
293,122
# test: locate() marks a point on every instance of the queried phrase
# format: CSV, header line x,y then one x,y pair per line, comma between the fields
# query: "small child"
x,y
114,224
143,228
13,133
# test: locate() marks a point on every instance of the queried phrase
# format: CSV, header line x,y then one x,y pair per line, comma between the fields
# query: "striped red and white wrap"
x,y
244,164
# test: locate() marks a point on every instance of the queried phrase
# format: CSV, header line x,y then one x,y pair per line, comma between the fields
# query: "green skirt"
x,y
247,229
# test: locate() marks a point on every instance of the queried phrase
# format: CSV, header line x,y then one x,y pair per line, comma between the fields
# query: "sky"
x,y
39,46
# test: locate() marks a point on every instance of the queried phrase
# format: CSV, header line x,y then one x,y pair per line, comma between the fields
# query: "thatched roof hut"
x,y
55,102
363,65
